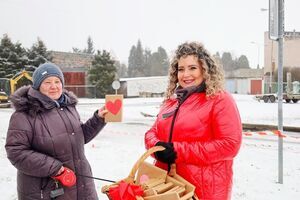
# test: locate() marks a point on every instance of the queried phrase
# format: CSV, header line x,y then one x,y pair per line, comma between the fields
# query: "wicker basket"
x,y
160,185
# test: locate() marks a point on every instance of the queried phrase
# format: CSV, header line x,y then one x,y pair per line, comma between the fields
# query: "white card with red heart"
x,y
114,105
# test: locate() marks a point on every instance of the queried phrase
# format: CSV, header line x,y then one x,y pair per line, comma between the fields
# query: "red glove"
x,y
66,178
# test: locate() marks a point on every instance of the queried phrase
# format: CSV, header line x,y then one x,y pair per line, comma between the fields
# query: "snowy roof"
x,y
245,73
72,61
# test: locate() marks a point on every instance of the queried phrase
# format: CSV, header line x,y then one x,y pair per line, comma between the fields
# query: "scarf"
x,y
183,93
62,101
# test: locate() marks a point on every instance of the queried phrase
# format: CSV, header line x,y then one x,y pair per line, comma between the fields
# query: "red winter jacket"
x,y
206,136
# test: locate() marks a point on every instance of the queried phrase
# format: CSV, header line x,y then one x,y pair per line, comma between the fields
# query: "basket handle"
x,y
131,176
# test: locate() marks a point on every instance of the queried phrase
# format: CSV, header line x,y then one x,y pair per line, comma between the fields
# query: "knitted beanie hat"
x,y
46,70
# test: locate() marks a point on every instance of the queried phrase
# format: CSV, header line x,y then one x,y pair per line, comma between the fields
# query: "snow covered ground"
x,y
114,151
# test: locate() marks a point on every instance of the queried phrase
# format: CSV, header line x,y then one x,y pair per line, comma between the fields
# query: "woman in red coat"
x,y
198,124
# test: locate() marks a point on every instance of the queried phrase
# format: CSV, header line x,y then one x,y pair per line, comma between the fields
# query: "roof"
x,y
68,61
245,73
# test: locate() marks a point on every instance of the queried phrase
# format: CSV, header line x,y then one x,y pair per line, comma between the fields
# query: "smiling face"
x,y
51,87
190,72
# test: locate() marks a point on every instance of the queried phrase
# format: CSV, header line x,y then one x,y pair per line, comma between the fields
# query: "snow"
x,y
115,150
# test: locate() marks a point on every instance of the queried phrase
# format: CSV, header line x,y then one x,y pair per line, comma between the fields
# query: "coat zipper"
x,y
172,127
173,122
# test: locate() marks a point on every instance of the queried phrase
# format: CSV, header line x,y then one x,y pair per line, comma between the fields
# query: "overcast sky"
x,y
116,25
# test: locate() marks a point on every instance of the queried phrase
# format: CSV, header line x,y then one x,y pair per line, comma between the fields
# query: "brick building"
x,y
74,67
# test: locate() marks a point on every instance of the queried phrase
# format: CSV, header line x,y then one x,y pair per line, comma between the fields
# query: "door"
x,y
256,86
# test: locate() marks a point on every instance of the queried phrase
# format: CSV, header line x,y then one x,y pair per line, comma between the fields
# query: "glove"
x,y
168,155
66,178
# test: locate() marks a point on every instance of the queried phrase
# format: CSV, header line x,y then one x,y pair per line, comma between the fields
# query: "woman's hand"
x,y
102,112
168,155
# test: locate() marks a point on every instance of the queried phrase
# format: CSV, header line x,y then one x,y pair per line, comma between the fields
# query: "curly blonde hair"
x,y
212,72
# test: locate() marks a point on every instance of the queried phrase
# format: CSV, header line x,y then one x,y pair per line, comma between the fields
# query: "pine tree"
x,y
148,60
145,63
90,46
6,49
22,55
136,61
159,62
12,57
155,64
76,50
140,61
132,62
102,73
242,62
227,61
164,61
38,54
121,69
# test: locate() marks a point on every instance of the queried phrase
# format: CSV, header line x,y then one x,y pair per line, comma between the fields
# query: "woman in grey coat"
x,y
45,137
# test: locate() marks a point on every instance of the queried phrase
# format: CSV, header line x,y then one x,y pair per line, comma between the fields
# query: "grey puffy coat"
x,y
43,137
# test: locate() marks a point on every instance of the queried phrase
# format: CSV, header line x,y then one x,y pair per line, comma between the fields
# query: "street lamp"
x,y
257,53
272,59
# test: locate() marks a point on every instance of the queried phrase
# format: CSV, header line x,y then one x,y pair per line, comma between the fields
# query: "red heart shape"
x,y
114,107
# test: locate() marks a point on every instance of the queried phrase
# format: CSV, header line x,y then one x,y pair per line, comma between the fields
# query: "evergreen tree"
x,y
145,63
218,59
228,63
76,50
12,57
121,69
6,46
38,53
140,61
6,49
148,60
23,58
136,61
90,46
242,62
132,62
155,64
102,73
164,61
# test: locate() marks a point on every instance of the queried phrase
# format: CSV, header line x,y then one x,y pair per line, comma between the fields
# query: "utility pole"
x,y
276,32
280,88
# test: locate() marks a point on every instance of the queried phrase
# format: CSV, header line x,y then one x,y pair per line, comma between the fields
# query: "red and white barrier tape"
x,y
270,133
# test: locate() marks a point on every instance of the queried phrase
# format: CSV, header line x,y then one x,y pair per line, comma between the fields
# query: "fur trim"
x,y
28,100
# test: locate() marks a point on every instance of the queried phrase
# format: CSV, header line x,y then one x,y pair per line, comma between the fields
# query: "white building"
x,y
244,81
143,86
